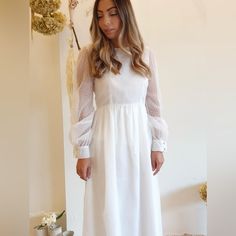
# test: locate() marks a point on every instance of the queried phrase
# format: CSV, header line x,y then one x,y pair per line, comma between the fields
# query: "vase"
x,y
56,231
41,232
68,233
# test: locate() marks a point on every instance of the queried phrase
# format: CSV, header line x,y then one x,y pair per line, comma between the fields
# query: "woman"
x,y
119,145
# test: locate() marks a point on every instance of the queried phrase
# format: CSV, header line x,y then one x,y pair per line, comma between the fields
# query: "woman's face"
x,y
109,20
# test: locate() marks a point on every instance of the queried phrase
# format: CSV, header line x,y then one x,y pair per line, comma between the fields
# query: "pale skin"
x,y
110,24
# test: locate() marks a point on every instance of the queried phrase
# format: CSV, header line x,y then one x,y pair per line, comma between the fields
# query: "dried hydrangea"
x,y
44,7
50,24
203,192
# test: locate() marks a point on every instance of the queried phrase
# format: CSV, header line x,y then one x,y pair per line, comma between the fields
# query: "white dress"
x,y
122,196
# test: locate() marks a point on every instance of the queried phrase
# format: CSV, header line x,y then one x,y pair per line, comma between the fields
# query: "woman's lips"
x,y
109,31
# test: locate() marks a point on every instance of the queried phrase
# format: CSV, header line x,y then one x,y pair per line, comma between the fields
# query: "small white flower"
x,y
49,220
44,222
53,217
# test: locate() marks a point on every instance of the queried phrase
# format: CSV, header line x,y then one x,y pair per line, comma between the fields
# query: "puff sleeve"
x,y
82,109
157,124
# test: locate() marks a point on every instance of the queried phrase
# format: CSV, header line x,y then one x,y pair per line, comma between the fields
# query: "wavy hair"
x,y
102,51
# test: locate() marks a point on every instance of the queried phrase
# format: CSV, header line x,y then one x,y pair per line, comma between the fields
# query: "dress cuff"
x,y
159,145
81,152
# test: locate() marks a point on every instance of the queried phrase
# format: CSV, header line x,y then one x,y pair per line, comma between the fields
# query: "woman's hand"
x,y
157,159
83,168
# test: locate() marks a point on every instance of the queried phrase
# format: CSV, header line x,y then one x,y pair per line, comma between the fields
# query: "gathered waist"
x,y
116,106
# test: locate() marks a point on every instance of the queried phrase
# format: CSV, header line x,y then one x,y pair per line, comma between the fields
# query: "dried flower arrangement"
x,y
45,17
203,192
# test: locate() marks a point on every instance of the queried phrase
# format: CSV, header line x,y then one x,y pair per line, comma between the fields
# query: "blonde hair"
x,y
102,51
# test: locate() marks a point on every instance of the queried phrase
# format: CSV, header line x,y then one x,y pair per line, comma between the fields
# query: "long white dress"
x,y
122,196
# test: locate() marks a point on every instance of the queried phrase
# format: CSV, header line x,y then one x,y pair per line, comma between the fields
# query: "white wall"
x,y
46,163
221,127
176,32
14,51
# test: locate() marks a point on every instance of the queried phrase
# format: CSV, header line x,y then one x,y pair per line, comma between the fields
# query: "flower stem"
x,y
59,216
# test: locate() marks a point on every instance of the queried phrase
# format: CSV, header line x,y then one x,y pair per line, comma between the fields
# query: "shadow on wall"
x,y
182,197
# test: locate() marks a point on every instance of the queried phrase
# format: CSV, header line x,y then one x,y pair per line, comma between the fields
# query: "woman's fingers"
x,y
84,174
83,168
89,172
157,161
153,164
157,168
77,167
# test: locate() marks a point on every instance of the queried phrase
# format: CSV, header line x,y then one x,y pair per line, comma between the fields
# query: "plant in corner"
x,y
49,220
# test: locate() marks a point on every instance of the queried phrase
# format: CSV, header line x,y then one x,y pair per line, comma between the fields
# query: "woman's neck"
x,y
115,43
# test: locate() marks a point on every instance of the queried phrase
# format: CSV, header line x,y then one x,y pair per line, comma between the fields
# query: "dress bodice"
x,y
126,87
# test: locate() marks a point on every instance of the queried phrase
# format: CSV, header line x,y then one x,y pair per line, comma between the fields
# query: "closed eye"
x,y
114,14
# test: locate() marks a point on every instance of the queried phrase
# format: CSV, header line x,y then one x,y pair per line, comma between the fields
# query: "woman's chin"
x,y
110,37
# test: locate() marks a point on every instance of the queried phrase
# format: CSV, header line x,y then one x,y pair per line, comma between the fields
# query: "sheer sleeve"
x,y
82,109
158,125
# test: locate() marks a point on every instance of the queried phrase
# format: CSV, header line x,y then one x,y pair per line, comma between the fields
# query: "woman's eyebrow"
x,y
107,9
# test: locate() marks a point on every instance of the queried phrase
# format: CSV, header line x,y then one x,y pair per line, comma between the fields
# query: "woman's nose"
x,y
107,20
